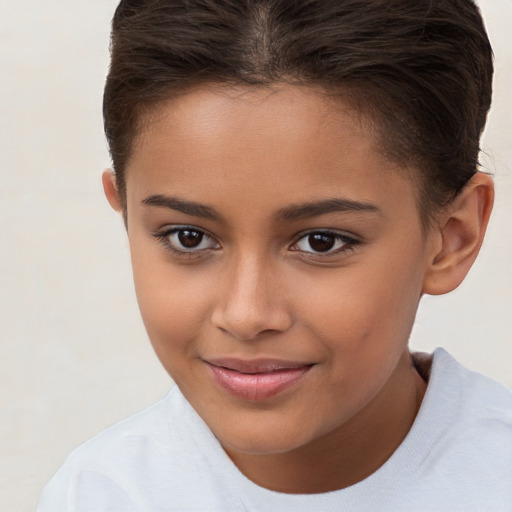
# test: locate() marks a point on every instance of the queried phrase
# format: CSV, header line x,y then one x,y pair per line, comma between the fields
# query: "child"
x,y
294,175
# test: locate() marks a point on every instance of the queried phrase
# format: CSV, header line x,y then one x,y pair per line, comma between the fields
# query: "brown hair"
x,y
421,69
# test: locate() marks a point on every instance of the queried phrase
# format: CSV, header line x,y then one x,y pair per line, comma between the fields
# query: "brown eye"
x,y
324,242
321,242
190,239
187,240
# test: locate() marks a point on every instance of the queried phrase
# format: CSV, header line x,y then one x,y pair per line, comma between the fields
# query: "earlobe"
x,y
110,189
461,233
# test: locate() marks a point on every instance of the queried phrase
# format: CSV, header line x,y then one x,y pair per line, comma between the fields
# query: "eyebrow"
x,y
187,207
316,208
288,213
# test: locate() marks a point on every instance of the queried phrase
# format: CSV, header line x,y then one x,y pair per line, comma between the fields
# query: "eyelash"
x,y
164,239
348,243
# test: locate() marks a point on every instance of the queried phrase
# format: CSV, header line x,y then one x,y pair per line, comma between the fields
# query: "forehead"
x,y
219,142
215,114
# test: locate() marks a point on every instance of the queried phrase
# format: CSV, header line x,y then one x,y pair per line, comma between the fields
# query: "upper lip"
x,y
256,365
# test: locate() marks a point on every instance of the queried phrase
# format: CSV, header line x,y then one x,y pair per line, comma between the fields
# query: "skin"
x,y
256,288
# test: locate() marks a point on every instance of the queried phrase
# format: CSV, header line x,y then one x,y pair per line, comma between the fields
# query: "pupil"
x,y
321,242
190,239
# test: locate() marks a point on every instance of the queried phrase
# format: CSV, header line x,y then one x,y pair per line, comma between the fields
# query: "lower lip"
x,y
256,386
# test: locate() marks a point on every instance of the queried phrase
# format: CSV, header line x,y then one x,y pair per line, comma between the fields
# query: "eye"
x,y
324,242
187,240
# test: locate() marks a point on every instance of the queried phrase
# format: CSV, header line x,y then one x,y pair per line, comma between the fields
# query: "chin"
x,y
264,441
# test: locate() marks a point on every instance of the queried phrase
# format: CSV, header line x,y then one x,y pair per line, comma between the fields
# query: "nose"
x,y
251,301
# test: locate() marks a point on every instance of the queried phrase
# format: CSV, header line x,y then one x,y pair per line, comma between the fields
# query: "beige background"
x,y
74,355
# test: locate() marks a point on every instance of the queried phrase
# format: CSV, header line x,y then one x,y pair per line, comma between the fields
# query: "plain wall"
x,y
74,355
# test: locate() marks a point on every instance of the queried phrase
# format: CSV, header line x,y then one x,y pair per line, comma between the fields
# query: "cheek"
x,y
365,312
362,320
174,303
352,307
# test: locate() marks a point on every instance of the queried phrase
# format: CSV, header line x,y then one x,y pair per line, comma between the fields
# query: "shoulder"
x,y
460,397
117,469
125,440
476,395
465,429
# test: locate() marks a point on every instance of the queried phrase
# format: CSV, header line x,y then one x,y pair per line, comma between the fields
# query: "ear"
x,y
459,236
110,189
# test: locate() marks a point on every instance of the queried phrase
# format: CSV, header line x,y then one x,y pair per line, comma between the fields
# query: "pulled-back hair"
x,y
420,69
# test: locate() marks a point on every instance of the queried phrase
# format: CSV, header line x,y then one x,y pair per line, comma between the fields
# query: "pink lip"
x,y
258,379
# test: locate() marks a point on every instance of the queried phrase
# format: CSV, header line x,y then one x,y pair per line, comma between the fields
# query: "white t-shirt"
x,y
456,457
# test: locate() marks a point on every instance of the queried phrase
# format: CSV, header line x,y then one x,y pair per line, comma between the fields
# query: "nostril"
x,y
249,331
247,310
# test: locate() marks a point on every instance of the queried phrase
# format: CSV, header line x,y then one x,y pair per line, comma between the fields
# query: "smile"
x,y
256,380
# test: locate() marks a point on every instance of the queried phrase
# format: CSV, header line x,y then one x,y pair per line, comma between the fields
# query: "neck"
x,y
350,453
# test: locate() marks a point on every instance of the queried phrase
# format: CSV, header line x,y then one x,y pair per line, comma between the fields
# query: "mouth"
x,y
256,380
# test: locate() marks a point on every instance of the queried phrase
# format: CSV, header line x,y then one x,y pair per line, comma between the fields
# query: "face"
x,y
278,260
